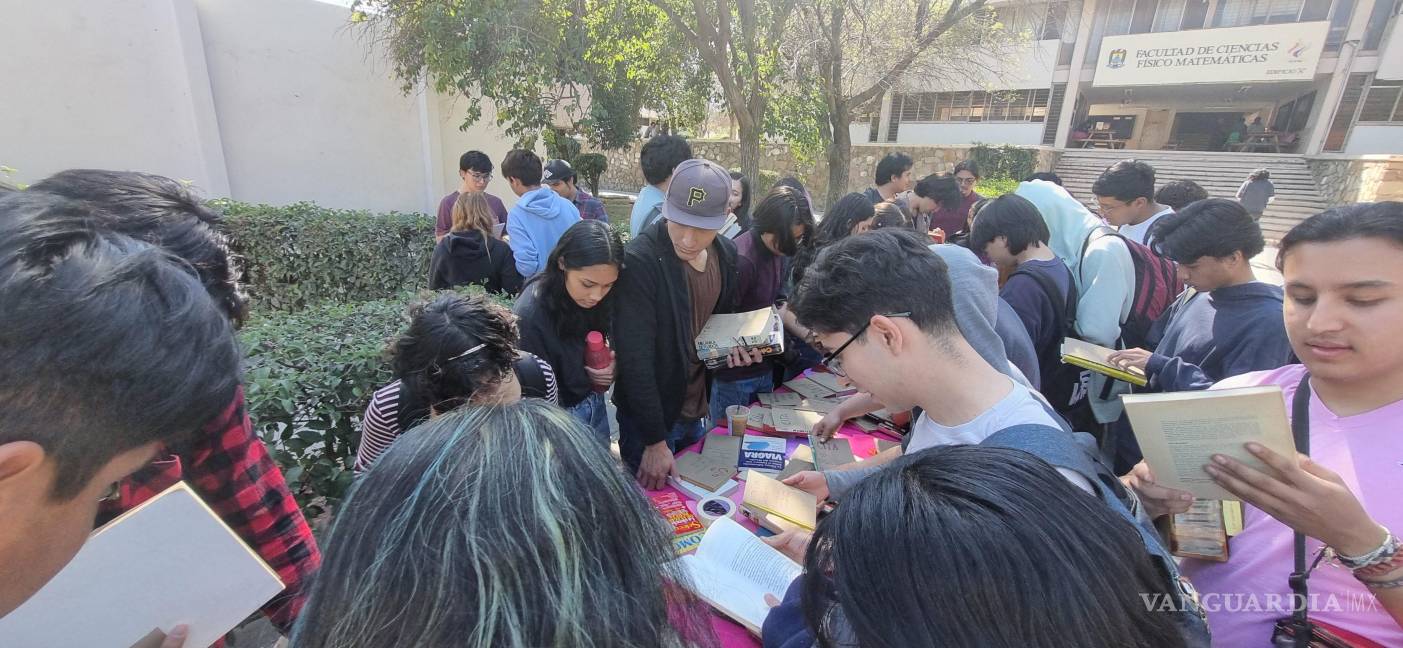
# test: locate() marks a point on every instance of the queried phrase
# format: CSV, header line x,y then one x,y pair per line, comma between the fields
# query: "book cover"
x,y
793,422
808,388
686,528
761,419
707,473
169,561
698,493
831,382
763,493
831,453
764,454
1096,358
782,399
722,448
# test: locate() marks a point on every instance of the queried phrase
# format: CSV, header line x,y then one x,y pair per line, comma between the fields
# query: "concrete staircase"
x,y
1297,196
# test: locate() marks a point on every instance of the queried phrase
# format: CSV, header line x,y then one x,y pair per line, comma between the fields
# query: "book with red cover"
x,y
686,528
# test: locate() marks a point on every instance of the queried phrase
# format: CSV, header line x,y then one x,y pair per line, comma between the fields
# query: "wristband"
x,y
1381,554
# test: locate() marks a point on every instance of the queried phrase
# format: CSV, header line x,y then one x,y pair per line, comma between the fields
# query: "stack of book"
x,y
757,330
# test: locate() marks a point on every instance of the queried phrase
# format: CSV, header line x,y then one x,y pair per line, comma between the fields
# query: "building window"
x,y
1345,114
1381,103
978,106
1378,22
1340,14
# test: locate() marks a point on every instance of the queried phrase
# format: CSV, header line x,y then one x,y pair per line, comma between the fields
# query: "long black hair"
x,y
981,546
778,213
942,188
836,225
455,345
742,211
587,243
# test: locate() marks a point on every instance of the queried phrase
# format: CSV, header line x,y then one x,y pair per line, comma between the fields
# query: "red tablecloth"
x,y
864,445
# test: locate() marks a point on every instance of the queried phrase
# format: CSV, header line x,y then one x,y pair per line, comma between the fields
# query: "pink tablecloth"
x,y
733,634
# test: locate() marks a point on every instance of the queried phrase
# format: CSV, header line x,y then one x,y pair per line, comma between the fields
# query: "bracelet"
x,y
1383,585
1380,569
1379,554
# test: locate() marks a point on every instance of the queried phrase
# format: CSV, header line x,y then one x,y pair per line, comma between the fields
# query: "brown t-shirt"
x,y
704,288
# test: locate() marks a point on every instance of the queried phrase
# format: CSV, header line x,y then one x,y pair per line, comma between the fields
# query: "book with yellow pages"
x,y
1090,356
1179,433
732,570
169,561
769,495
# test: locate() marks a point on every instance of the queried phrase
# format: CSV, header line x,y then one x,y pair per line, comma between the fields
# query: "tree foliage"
x,y
541,62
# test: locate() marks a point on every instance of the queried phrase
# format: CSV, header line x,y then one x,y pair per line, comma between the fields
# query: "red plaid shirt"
x,y
231,469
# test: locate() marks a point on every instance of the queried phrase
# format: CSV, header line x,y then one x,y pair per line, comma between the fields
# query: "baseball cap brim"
x,y
676,215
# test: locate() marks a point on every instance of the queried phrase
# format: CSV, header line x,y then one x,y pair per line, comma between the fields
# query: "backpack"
x,y
1076,452
651,216
1157,284
1065,387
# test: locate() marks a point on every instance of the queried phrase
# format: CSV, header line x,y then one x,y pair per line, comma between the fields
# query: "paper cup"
x,y
736,417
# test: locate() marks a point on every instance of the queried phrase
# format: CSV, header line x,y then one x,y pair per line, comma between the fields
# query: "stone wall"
x,y
624,174
1350,179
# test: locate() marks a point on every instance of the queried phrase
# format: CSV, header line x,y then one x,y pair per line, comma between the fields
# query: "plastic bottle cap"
x,y
595,339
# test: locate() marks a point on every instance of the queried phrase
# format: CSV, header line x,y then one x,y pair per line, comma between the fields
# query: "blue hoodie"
x,y
535,224
1198,348
1105,277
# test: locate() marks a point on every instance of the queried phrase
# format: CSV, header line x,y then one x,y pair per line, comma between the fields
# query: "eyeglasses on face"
x,y
831,360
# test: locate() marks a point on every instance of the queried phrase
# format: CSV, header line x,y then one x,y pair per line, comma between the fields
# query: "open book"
x,y
768,495
1180,432
169,561
733,570
1090,356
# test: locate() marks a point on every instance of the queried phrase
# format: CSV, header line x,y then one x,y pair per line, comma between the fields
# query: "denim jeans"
x,y
593,412
725,393
684,432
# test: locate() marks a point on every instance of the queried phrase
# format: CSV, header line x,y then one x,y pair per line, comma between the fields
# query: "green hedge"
x,y
308,376
1005,161
301,254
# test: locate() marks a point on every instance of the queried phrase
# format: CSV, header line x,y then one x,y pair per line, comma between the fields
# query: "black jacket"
x,y
565,355
463,258
653,327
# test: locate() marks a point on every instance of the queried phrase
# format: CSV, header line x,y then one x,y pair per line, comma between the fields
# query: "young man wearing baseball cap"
x,y
561,178
677,272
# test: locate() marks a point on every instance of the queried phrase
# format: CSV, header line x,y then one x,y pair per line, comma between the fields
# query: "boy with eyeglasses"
x,y
475,168
881,305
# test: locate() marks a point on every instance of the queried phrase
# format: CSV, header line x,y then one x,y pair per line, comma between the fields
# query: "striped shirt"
x,y
380,425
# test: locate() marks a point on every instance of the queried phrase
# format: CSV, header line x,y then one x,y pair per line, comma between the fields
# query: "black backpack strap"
x,y
1300,430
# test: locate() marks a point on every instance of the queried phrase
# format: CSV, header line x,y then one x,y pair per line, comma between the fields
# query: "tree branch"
x,y
954,15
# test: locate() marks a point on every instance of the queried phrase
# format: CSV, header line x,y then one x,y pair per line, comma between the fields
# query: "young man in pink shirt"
x,y
1343,307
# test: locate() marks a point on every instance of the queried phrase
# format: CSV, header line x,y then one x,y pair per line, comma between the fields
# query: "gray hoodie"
x,y
976,296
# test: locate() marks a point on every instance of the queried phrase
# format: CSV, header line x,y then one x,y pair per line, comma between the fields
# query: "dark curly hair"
x,y
455,345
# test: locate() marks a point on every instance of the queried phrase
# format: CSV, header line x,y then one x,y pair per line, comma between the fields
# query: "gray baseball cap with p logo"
x,y
698,195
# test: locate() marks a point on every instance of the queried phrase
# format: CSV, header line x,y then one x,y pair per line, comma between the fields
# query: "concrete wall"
x,y
271,101
935,133
105,84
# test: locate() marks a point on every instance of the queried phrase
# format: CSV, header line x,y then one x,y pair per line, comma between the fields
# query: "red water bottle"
x,y
597,354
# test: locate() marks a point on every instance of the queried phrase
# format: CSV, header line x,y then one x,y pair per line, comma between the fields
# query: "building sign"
x,y
1286,52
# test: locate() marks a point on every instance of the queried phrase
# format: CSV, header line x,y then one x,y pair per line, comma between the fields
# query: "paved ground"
x,y
1265,266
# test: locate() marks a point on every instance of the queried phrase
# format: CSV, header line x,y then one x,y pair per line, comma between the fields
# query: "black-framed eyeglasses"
x,y
831,360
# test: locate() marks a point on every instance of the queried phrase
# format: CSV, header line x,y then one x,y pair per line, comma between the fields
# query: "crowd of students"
x,y
489,511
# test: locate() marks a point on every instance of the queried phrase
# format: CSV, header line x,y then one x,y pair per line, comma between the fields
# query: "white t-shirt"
x,y
1020,407
1139,233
